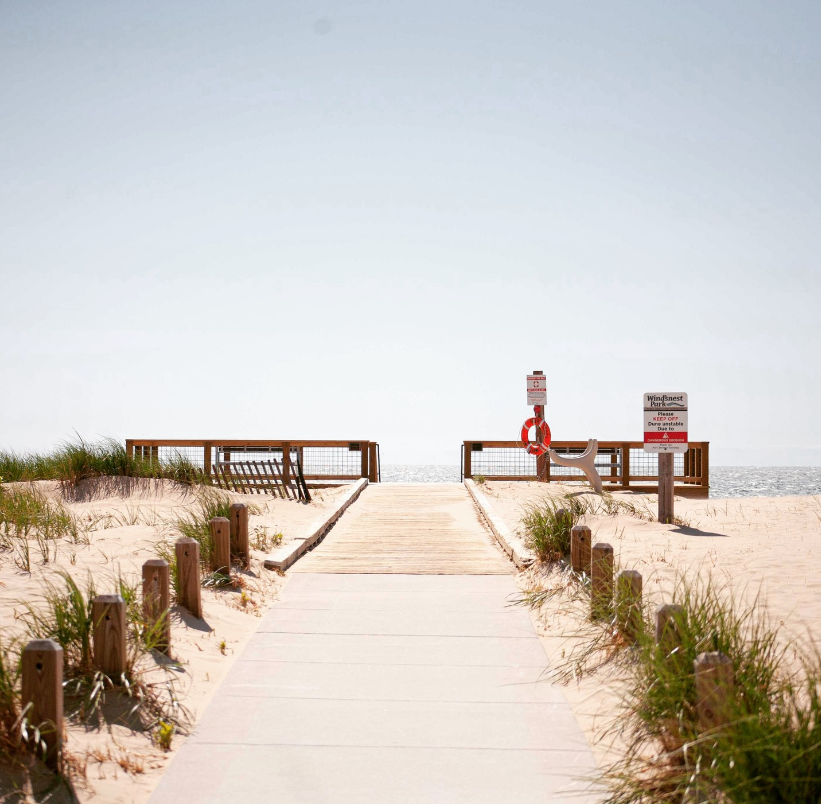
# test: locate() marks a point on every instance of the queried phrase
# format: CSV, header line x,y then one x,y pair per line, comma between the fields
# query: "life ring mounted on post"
x,y
539,448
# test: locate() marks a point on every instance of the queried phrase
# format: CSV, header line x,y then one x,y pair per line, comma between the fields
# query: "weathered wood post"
x,y
468,468
108,622
625,464
373,463
42,671
580,538
628,603
666,488
670,620
714,689
542,461
188,575
239,532
601,580
221,544
157,600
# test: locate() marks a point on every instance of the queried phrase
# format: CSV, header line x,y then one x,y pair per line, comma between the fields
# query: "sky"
x,y
371,220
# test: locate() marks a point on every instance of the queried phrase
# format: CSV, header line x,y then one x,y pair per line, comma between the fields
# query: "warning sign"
x,y
665,422
536,389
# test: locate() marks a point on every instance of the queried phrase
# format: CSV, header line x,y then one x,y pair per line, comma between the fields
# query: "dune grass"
x,y
547,527
74,461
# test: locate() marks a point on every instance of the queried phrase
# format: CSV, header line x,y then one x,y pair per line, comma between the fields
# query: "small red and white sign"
x,y
665,422
536,389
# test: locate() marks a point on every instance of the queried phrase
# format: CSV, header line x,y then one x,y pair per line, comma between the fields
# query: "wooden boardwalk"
x,y
410,529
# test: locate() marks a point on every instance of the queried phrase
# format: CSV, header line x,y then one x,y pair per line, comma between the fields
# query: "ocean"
x,y
725,481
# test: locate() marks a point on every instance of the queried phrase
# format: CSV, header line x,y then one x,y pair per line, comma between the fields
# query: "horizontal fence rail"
x,y
621,465
319,460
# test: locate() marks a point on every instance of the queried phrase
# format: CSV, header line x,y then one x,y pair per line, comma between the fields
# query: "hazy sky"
x,y
370,220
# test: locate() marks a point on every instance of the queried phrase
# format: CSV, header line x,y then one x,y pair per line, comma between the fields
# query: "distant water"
x,y
725,481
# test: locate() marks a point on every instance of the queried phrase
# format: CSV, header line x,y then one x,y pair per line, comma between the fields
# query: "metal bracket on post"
x,y
586,462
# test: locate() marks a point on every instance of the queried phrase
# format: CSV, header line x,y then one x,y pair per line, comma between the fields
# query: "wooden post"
x,y
705,464
206,458
129,448
580,548
628,603
625,465
42,670
670,620
601,580
108,621
468,456
542,461
221,543
157,599
188,575
286,463
373,465
666,498
363,462
714,689
239,533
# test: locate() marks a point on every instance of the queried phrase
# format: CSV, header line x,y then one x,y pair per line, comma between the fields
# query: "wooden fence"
x,y
621,465
320,460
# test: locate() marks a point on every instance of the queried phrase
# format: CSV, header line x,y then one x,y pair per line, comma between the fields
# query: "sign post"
x,y
537,396
665,432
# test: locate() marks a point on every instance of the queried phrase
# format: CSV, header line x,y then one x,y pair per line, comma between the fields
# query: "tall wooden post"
x,y
206,458
601,580
221,544
157,600
580,538
541,460
108,621
714,689
373,464
705,465
286,463
628,603
363,458
666,486
468,456
188,575
42,670
239,532
625,465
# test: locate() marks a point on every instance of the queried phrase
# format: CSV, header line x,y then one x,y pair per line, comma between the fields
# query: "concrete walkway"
x,y
386,688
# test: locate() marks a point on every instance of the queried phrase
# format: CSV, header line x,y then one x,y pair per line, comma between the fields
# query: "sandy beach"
x,y
121,522
755,546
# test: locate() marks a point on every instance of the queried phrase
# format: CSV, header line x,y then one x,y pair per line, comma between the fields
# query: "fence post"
x,y
468,468
108,622
625,464
221,544
373,466
239,532
666,484
206,458
42,671
286,462
705,464
363,458
601,580
670,619
157,599
580,548
714,689
188,575
628,603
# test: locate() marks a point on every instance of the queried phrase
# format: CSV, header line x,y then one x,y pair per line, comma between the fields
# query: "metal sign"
x,y
536,389
665,422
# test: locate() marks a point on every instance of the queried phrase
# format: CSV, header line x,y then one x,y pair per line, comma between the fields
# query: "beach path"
x,y
369,683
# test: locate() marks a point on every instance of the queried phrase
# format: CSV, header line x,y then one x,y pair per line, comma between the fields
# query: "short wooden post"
x,y
670,620
188,575
601,580
221,543
239,532
373,463
157,600
108,622
714,689
666,487
42,670
580,538
628,603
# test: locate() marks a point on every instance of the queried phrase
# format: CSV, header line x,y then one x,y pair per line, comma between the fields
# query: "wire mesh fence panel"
x,y
502,462
646,464
331,461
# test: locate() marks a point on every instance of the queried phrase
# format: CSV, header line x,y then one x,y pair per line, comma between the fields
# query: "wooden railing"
x,y
320,460
621,465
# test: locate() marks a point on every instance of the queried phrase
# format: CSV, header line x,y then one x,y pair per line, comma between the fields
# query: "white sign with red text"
x,y
536,389
665,422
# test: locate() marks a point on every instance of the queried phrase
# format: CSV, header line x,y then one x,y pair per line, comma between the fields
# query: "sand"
x,y
767,546
125,520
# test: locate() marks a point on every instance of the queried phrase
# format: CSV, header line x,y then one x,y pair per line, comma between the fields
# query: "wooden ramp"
x,y
409,529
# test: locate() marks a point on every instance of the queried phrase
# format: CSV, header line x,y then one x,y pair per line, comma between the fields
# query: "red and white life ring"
x,y
537,448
